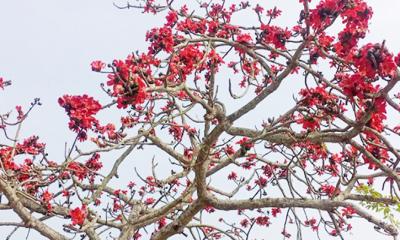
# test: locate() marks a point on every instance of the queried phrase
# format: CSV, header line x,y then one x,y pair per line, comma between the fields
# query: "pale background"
x,y
46,47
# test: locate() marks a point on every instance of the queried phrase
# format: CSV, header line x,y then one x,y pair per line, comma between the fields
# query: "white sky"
x,y
46,47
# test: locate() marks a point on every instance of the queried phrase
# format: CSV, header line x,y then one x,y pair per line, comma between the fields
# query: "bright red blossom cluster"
x,y
81,111
78,215
275,35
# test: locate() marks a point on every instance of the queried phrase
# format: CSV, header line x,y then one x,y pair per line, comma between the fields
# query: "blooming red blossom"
x,y
81,111
161,223
330,190
127,82
171,18
246,143
348,212
274,13
275,35
31,146
97,65
263,221
78,215
161,39
149,201
275,211
232,176
78,170
374,59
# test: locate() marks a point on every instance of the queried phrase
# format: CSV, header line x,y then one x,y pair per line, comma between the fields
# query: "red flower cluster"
x,y
185,62
261,182
78,215
324,43
355,85
161,39
94,163
309,122
397,59
275,211
374,60
127,82
30,146
246,143
356,17
232,176
320,98
149,201
312,223
80,110
171,18
328,190
192,26
275,35
46,198
97,66
244,38
348,212
77,169
274,13
378,115
176,131
377,152
325,12
263,221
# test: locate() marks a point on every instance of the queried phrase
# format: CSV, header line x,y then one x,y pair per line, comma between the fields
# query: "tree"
x,y
211,153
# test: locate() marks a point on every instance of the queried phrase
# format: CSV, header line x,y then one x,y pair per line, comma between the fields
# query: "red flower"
x,y
348,212
261,182
324,13
374,59
232,176
78,215
244,38
127,83
246,143
1,83
172,18
275,35
93,163
161,223
244,223
274,13
309,122
263,221
258,9
149,201
397,60
47,196
31,146
161,39
275,211
176,131
379,115
78,170
80,110
328,190
97,65
229,150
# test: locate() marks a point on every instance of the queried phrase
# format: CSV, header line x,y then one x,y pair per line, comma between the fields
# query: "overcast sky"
x,y
46,47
